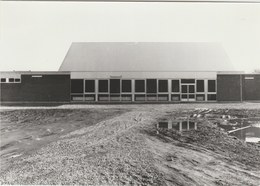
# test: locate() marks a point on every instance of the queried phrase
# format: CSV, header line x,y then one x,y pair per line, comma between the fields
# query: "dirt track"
x,y
127,148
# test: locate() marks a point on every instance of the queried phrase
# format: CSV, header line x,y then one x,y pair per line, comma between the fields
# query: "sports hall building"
x,y
124,72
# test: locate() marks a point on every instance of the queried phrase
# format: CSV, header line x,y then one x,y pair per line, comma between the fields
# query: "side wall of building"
x,y
238,87
229,87
251,87
37,88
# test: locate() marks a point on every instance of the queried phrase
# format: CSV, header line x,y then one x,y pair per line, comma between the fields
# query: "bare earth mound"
x,y
128,148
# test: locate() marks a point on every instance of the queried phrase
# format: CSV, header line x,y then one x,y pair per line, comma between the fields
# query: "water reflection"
x,y
251,134
177,125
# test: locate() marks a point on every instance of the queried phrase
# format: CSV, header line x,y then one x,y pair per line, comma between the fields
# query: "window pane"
x,y
139,97
184,89
114,85
126,86
103,97
175,86
11,79
175,97
103,85
163,85
3,80
200,97
77,98
89,85
90,97
114,97
162,97
200,85
184,96
191,89
151,86
212,97
191,96
188,81
77,86
211,85
17,80
139,85
127,97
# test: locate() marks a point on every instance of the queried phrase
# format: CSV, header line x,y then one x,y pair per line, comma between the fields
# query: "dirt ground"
x,y
121,145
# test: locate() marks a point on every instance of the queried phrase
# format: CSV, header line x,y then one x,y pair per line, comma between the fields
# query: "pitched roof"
x,y
146,56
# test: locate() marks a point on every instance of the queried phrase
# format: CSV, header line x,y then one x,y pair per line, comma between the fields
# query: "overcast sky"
x,y
37,35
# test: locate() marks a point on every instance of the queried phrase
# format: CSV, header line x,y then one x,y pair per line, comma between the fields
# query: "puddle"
x,y
178,125
251,134
250,129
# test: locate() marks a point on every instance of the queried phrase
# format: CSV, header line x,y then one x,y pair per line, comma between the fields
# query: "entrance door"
x,y
188,92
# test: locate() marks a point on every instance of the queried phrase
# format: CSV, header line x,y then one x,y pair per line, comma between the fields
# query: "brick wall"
x,y
48,88
228,88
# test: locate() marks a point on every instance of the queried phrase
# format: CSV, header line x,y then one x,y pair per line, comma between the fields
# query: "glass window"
x,y
175,97
151,86
175,85
77,98
184,96
90,97
163,85
114,85
200,85
126,97
191,89
103,97
211,85
140,97
102,85
139,85
17,80
191,96
212,97
3,80
200,97
89,85
77,86
188,81
11,79
163,97
126,86
184,88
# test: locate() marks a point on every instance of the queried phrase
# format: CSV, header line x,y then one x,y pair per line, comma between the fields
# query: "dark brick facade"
x,y
229,87
48,88
251,87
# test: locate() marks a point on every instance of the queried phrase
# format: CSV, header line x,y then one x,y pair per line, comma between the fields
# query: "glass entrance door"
x,y
188,92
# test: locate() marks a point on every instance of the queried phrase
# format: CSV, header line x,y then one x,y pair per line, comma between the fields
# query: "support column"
x,y
133,89
169,89
96,90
